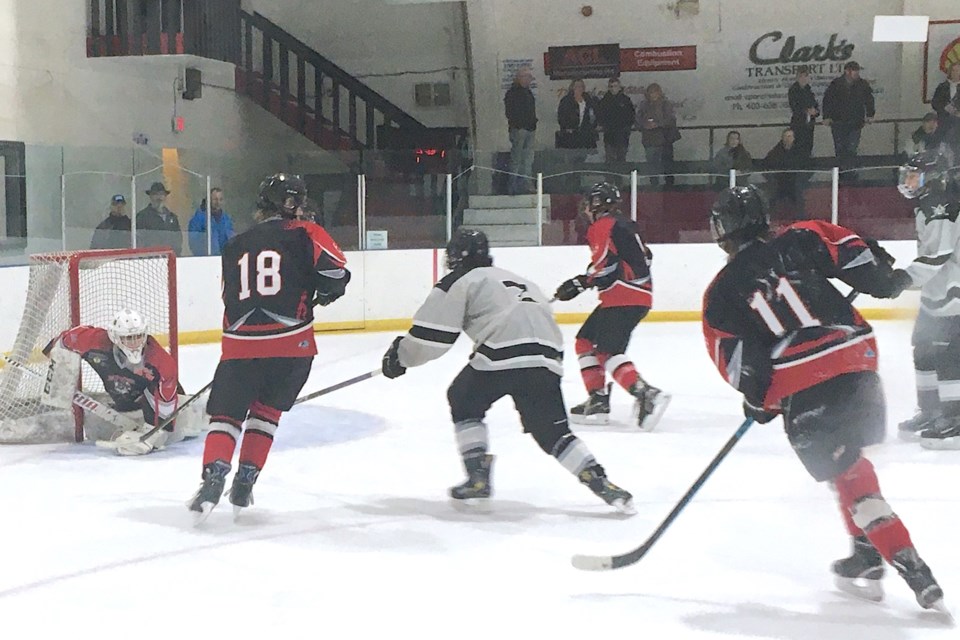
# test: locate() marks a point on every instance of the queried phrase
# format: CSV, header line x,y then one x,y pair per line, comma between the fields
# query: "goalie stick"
x,y
85,402
603,563
173,416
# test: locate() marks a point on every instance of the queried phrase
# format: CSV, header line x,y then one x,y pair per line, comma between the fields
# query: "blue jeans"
x,y
521,160
846,142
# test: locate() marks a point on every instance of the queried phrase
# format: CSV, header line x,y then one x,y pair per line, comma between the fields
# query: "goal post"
x,y
69,289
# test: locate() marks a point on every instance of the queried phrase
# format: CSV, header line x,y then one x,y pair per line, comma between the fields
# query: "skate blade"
x,y
940,444
940,607
625,507
651,420
596,419
472,505
871,590
199,517
908,436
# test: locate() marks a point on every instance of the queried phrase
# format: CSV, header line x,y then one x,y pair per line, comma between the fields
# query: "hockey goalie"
x,y
139,376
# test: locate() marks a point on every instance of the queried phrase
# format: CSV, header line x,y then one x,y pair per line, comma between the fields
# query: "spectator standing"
x,y
520,106
221,226
732,155
577,117
616,115
929,135
804,110
658,126
946,102
787,160
847,106
157,226
114,231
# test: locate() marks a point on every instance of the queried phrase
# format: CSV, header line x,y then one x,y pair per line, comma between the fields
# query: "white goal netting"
x,y
70,289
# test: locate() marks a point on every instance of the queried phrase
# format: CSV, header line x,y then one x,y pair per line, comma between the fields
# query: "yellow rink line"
x,y
370,326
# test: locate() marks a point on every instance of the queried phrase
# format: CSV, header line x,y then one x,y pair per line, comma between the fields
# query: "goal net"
x,y
66,290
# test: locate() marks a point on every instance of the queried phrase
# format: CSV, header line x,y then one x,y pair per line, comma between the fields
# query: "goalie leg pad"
x,y
62,376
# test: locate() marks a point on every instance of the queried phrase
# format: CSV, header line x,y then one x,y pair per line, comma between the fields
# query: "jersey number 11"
x,y
786,291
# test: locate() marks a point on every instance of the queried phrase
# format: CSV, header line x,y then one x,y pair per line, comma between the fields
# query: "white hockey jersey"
x,y
936,270
507,317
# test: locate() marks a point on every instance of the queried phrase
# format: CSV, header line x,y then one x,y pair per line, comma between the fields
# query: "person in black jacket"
x,y
786,182
157,226
577,117
847,106
615,114
114,231
520,107
804,110
946,102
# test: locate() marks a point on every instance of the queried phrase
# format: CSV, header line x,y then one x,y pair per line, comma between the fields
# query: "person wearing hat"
x,y
847,106
114,231
157,226
929,135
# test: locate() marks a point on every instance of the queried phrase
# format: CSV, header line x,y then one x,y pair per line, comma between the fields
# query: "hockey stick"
x,y
603,563
338,386
84,401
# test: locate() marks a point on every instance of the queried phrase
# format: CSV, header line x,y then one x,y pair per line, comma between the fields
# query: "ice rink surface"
x,y
352,535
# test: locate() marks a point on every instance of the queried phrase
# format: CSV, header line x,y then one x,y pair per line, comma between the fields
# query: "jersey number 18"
x,y
268,274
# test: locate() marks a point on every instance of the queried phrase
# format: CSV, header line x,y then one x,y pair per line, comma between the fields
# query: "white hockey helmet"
x,y
128,332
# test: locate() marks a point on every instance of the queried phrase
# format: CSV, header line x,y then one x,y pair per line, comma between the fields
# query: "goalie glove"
x,y
62,376
571,288
391,366
129,444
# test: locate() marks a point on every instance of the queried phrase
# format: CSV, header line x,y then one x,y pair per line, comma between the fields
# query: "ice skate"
x,y
649,406
942,434
477,484
208,495
909,430
859,575
594,410
596,479
919,578
241,491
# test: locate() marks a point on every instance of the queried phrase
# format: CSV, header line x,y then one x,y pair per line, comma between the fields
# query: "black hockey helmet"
x,y
738,215
468,249
601,199
282,193
925,171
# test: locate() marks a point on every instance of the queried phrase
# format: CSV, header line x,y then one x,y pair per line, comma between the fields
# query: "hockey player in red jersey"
x,y
273,275
137,373
780,333
620,270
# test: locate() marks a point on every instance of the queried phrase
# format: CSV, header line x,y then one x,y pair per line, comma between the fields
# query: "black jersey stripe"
x,y
519,351
936,260
952,294
434,335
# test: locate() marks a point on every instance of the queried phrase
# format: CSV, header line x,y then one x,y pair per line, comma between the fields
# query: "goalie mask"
x,y
128,333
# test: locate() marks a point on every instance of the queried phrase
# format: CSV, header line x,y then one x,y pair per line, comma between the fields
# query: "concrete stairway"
x,y
508,221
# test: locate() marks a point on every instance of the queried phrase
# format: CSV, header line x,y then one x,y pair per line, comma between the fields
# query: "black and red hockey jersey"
x,y
154,379
774,324
271,274
620,263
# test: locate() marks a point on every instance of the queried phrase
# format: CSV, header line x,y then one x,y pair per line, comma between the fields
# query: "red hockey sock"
x,y
591,368
219,445
869,512
257,440
623,371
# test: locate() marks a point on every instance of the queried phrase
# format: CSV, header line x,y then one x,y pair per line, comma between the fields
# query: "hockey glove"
x,y
759,414
571,288
391,366
323,299
880,253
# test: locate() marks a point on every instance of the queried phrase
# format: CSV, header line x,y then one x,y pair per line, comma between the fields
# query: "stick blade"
x,y
592,563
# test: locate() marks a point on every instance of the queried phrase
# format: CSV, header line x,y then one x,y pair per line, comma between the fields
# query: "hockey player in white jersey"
x,y
518,352
936,272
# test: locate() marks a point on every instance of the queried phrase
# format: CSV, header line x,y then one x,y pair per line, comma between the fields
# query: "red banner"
x,y
658,59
